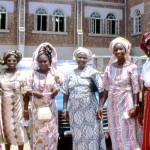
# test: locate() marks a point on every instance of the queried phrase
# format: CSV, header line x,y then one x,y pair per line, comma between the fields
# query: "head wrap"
x,y
48,50
9,53
125,43
144,40
82,50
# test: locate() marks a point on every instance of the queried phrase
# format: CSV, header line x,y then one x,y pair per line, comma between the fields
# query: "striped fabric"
x,y
121,83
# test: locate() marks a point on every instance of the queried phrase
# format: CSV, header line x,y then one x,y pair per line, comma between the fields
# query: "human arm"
x,y
65,102
65,91
135,91
58,84
54,92
30,87
26,100
141,115
38,95
134,111
103,97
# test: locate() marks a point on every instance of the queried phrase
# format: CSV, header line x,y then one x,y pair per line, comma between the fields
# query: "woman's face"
x,y
119,51
148,48
11,62
81,60
43,62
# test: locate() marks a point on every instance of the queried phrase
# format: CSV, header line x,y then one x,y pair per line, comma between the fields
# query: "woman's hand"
x,y
26,114
65,114
99,113
54,93
133,112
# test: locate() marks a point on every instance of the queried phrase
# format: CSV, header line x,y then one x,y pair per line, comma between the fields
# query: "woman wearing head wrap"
x,y
12,86
42,88
145,77
121,86
86,129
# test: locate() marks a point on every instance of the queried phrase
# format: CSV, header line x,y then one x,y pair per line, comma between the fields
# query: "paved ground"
x,y
27,147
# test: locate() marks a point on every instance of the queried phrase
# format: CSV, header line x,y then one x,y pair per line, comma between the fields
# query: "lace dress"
x,y
12,105
45,133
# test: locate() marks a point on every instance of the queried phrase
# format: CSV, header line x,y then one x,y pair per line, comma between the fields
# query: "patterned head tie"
x,y
144,41
49,51
9,53
125,43
82,50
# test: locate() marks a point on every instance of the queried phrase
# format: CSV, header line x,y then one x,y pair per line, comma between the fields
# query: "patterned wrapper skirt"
x,y
146,126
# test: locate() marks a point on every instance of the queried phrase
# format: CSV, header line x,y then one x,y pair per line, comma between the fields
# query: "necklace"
x,y
41,86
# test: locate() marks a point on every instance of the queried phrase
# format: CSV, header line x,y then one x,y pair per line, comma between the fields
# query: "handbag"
x,y
44,113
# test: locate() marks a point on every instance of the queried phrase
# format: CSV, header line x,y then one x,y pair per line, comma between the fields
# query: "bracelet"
x,y
64,110
26,111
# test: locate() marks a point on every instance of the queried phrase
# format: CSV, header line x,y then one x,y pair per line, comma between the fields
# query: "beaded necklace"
x,y
41,89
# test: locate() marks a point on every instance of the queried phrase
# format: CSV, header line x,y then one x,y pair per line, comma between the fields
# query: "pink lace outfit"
x,y
45,133
121,83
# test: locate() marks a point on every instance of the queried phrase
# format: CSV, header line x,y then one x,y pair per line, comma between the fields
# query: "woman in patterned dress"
x,y
12,86
86,129
121,84
42,88
145,77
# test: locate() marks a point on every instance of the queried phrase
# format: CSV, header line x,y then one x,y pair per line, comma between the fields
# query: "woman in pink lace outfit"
x,y
42,87
121,84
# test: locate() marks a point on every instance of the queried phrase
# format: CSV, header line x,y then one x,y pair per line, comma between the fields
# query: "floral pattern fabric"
x,y
45,133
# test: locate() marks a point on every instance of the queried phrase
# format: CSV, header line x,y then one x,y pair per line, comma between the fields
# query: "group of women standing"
x,y
120,85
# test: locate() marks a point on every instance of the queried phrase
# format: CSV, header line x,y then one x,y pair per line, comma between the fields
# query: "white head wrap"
x,y
82,50
126,44
35,65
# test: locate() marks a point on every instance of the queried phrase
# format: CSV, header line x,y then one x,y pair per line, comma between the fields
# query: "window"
x,y
3,18
137,22
112,25
41,20
96,23
59,21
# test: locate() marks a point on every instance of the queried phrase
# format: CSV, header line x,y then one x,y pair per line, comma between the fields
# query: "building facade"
x,y
67,24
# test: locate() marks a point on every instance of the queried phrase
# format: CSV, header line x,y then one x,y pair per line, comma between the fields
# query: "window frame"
x,y
109,23
45,14
59,14
6,19
95,18
136,22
